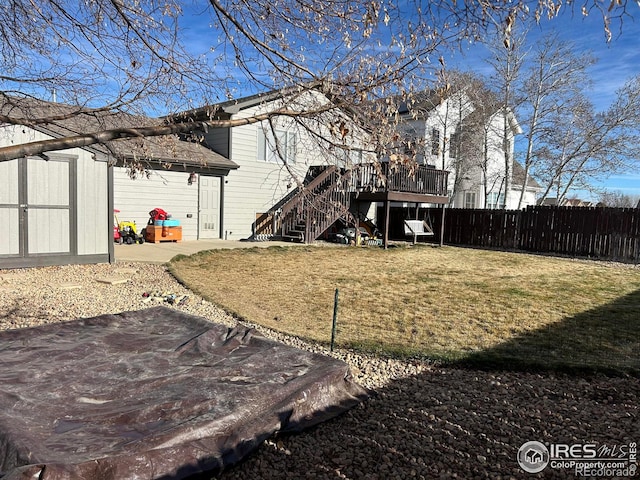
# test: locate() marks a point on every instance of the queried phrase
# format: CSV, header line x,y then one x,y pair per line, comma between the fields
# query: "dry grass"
x,y
447,303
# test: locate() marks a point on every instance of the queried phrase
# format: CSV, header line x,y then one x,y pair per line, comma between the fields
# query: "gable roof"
x,y
517,176
68,120
422,102
224,110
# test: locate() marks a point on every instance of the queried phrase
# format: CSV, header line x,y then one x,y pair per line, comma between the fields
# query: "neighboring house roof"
x,y
517,176
68,120
576,202
566,202
422,103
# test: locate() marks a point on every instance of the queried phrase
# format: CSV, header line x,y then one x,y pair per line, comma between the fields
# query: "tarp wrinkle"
x,y
126,396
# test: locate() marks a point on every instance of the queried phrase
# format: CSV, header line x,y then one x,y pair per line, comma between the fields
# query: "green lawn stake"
x,y
335,319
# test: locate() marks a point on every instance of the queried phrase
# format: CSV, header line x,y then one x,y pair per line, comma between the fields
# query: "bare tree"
x,y
506,60
139,57
471,143
618,199
555,74
581,144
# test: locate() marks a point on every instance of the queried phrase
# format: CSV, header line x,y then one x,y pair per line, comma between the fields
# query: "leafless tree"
x,y
165,56
554,75
618,199
482,136
506,60
471,143
581,145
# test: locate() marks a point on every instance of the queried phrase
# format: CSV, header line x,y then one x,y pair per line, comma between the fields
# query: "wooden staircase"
x,y
315,207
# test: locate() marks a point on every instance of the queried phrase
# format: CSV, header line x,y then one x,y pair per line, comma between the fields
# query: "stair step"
x,y
293,238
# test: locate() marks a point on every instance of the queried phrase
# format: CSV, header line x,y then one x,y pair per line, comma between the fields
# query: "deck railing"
x,y
385,177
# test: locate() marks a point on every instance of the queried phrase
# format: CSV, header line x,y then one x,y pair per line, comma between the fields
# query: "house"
x,y
58,207
298,176
454,133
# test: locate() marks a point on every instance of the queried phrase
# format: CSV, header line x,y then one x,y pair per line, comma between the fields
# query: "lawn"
x,y
448,304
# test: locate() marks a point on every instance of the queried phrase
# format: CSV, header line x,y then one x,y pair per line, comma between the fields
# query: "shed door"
x,y
209,211
10,209
37,205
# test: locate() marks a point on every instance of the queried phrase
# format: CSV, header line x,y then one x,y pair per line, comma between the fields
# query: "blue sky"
x,y
618,61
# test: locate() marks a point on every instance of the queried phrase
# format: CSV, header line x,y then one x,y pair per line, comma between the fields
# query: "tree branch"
x,y
12,152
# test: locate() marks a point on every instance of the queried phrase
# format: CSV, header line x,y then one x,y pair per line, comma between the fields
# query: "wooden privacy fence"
x,y
605,233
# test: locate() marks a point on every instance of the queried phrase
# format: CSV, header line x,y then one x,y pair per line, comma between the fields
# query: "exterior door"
x,y
209,208
37,207
10,211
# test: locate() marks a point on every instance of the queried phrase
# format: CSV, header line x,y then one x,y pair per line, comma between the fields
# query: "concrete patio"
x,y
164,251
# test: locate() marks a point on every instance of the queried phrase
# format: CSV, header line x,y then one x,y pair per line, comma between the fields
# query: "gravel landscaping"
x,y
421,421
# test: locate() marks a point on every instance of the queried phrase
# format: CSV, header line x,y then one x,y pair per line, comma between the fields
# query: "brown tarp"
x,y
153,394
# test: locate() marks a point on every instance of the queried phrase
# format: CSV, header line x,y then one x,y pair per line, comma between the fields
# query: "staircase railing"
x,y
270,223
297,210
329,205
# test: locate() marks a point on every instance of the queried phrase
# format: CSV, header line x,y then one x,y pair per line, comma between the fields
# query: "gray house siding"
x,y
167,190
257,185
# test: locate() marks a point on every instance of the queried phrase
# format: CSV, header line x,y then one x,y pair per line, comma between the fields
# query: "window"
x,y
495,200
470,200
353,157
454,145
270,150
435,141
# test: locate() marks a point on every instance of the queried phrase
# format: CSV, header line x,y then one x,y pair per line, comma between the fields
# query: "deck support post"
x,y
442,226
387,208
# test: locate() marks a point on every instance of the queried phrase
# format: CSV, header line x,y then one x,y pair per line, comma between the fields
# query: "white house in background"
x,y
456,136
57,208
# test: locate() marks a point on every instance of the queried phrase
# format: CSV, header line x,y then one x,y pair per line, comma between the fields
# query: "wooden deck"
x,y
387,183
307,212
